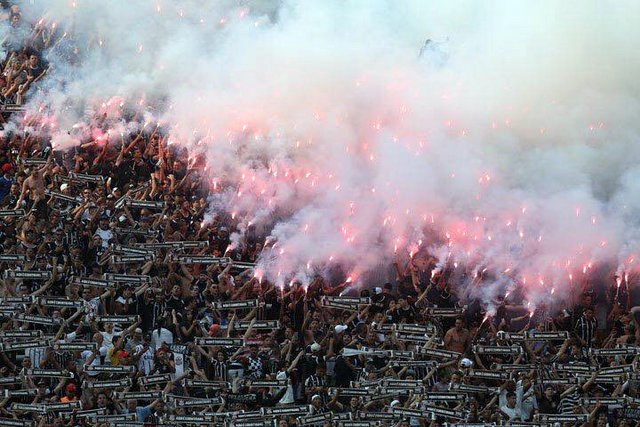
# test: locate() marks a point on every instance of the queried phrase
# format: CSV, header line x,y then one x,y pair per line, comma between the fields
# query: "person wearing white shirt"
x,y
511,409
108,335
526,400
97,357
160,335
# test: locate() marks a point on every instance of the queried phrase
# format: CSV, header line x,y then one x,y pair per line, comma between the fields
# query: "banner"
x,y
616,370
145,204
445,311
86,281
414,328
131,259
11,212
60,196
201,259
86,177
267,383
155,379
513,336
18,300
12,257
259,324
86,413
352,392
127,278
129,250
117,369
402,391
410,363
574,368
21,334
513,367
59,302
190,402
191,419
128,230
27,274
444,396
28,392
284,410
26,407
75,346
604,352
19,346
339,305
204,383
232,305
588,401
559,418
16,423
402,383
115,419
118,319
376,416
467,388
138,395
444,354
66,407
445,412
546,336
40,320
485,349
560,381
219,342
348,300
315,419
402,336
125,382
242,398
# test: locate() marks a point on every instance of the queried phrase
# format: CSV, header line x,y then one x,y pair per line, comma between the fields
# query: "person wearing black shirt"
x,y
174,302
438,295
549,401
404,312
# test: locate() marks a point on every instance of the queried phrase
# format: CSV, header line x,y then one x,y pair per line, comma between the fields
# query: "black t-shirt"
x,y
546,406
146,313
440,298
408,313
344,374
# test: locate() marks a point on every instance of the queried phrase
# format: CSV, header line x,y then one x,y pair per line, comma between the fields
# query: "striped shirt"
x,y
36,355
217,370
586,329
316,381
145,363
567,403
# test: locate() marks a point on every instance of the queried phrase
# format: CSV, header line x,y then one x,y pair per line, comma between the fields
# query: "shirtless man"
x,y
34,187
457,338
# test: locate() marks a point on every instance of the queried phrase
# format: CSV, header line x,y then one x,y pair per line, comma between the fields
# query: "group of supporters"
x,y
120,304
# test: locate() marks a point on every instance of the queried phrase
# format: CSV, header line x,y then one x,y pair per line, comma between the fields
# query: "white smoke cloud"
x,y
514,141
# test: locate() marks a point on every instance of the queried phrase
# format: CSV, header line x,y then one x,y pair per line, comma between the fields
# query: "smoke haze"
x,y
511,143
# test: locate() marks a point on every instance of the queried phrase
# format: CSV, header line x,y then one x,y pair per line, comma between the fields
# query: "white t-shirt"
x,y
106,235
145,363
108,338
512,413
288,396
103,351
91,307
157,339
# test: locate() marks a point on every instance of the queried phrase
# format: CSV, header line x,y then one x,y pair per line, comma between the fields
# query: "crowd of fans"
x,y
121,305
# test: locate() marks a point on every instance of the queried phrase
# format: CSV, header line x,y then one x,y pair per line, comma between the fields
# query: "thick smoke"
x,y
510,143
